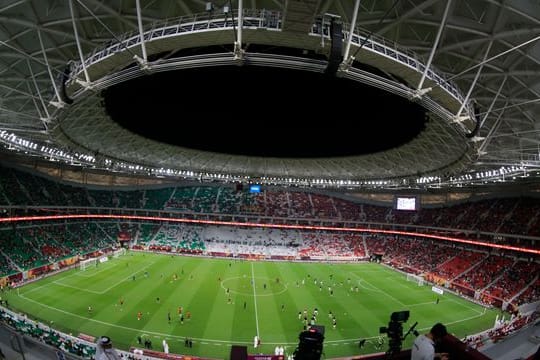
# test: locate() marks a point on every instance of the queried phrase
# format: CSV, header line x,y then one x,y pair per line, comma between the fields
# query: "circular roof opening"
x,y
264,112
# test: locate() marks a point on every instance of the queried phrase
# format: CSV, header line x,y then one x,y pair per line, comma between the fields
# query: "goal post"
x,y
416,278
117,253
84,264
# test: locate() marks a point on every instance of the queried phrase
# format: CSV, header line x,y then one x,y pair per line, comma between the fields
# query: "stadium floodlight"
x,y
57,104
460,119
477,138
85,84
420,92
143,64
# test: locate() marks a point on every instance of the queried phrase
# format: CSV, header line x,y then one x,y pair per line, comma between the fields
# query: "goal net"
x,y
117,253
415,278
84,264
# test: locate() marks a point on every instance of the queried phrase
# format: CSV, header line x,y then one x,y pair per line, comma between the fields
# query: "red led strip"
x,y
261,225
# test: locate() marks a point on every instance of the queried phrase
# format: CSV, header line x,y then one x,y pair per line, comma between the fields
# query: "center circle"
x,y
243,285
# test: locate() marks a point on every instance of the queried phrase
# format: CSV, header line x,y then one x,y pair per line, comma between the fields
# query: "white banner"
x,y
437,290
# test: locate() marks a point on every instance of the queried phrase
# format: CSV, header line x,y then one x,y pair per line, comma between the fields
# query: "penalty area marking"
x,y
57,282
92,271
371,288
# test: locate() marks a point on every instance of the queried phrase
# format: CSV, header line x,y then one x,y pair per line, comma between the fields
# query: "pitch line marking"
x,y
420,304
464,305
57,282
383,292
255,300
92,273
181,337
127,278
367,288
246,294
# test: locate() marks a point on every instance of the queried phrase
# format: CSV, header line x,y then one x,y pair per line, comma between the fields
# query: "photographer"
x,y
424,345
105,351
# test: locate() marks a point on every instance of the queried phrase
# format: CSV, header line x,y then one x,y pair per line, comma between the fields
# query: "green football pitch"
x,y
231,301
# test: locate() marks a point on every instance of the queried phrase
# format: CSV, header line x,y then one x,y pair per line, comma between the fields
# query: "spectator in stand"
x,y
424,345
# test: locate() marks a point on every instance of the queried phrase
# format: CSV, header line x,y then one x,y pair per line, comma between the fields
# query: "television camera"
x,y
394,330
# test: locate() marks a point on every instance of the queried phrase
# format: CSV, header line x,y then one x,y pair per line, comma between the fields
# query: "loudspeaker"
x,y
336,47
238,352
63,94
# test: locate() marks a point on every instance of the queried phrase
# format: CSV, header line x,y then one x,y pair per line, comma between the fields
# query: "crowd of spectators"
x,y
47,335
513,216
502,329
494,275
484,272
35,244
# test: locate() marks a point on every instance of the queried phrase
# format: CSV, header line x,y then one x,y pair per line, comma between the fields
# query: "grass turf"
x,y
269,308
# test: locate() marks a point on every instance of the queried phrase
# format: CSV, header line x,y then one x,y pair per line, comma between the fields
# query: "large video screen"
x,y
255,188
409,203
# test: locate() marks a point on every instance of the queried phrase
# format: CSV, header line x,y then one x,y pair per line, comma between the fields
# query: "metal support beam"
x,y
45,119
514,105
238,52
489,136
240,21
493,102
18,113
22,53
351,32
79,48
435,44
19,130
141,32
58,103
495,57
466,100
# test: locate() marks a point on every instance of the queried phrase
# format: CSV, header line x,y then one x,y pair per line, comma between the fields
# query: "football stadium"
x,y
269,179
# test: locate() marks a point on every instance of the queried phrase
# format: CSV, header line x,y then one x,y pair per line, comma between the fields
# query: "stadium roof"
x,y
473,65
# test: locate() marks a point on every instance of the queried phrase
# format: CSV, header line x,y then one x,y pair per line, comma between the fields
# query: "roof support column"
x,y
432,54
143,62
351,32
77,40
238,53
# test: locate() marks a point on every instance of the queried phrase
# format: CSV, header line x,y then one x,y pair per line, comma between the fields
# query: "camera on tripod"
x,y
310,346
394,330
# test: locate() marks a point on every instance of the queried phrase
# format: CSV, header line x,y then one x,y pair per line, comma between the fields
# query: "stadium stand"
x,y
469,269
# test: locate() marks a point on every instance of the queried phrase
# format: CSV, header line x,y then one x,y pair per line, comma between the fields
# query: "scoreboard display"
x,y
407,203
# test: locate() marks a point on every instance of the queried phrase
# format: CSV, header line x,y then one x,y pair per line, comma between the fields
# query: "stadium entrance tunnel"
x,y
264,112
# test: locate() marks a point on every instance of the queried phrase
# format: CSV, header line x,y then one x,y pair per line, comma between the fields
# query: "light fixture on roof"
x,y
460,119
418,93
85,84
